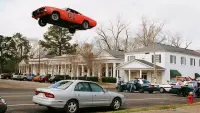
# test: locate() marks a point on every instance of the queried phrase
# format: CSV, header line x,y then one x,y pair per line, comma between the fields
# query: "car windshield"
x,y
61,85
145,81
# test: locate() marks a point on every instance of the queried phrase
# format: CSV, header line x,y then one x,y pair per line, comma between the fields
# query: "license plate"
x,y
41,95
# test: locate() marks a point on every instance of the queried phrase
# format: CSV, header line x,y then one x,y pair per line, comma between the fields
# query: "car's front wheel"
x,y
42,22
55,16
116,104
162,90
85,25
72,31
71,106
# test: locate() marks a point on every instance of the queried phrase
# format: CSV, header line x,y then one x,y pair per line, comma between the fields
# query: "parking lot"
x,y
19,100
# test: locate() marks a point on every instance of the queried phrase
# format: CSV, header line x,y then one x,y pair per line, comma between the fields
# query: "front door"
x,y
83,93
100,98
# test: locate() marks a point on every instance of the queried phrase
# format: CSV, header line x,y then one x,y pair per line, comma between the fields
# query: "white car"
x,y
166,87
74,94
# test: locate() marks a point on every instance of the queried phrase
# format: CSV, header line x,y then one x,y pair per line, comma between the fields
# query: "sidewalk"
x,y
186,109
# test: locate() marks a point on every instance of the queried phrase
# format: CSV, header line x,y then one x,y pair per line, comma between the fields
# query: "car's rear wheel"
x,y
150,91
116,104
55,16
85,25
42,22
162,90
72,31
71,107
141,91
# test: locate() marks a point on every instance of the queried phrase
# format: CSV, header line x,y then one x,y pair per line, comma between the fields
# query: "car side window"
x,y
82,87
96,88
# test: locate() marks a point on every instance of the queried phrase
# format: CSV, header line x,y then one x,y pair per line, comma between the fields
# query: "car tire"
x,y
85,25
55,16
150,91
42,22
141,91
72,31
71,104
116,104
162,90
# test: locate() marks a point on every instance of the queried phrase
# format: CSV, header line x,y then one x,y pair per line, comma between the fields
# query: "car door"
x,y
83,93
99,96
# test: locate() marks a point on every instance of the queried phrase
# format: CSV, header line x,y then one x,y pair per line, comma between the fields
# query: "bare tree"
x,y
150,32
110,38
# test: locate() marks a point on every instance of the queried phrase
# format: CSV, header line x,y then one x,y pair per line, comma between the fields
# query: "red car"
x,y
67,18
6,76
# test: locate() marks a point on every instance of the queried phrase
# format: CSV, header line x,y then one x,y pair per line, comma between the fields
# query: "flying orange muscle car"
x,y
66,17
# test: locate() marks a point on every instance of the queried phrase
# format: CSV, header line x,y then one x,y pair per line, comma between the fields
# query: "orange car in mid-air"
x,y
67,18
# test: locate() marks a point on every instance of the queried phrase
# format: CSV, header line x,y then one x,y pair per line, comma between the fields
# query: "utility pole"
x,y
154,61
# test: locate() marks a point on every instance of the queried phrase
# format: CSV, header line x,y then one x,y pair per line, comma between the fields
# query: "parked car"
x,y
184,89
16,76
36,78
3,105
44,78
56,78
71,95
6,76
166,87
30,77
140,85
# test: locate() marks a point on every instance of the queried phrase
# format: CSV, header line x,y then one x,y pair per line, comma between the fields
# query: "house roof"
x,y
149,63
167,48
143,62
116,54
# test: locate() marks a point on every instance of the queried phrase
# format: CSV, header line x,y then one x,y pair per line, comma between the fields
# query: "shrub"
x,y
109,80
94,79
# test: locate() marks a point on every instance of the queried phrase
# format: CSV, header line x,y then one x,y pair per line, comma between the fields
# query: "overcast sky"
x,y
180,16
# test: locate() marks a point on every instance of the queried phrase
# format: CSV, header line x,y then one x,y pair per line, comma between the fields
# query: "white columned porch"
x,y
117,76
72,70
99,71
106,69
93,69
140,73
129,75
82,72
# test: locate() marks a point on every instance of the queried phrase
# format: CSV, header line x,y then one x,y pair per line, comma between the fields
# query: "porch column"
x,y
117,76
129,75
72,70
106,69
65,69
88,72
99,71
77,71
82,73
140,73
93,70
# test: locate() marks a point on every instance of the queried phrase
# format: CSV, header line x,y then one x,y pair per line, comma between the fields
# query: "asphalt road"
x,y
20,101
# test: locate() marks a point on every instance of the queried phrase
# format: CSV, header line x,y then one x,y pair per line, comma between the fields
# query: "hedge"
x,y
109,80
94,79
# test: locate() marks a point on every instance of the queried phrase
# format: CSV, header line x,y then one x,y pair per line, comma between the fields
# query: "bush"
x,y
94,79
109,80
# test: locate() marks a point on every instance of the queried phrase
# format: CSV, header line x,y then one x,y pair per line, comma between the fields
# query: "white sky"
x,y
180,16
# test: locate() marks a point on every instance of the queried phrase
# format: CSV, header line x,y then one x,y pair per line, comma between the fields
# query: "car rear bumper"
x,y
48,102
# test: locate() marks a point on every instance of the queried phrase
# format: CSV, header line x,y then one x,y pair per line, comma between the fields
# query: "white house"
x,y
170,63
74,65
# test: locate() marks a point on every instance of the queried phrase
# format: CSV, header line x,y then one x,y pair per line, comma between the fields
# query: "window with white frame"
x,y
183,61
131,58
192,61
172,59
157,58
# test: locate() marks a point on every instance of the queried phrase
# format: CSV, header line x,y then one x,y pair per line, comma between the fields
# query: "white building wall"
x,y
185,70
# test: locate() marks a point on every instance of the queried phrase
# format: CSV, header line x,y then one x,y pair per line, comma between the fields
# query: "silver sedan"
x,y
71,95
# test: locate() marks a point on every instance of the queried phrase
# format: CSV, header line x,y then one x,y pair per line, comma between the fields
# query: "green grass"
x,y
153,108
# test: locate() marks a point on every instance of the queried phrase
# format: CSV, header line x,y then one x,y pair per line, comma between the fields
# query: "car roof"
x,y
78,81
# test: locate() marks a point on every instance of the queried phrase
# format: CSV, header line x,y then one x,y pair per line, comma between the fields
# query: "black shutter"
x,y
152,58
160,58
